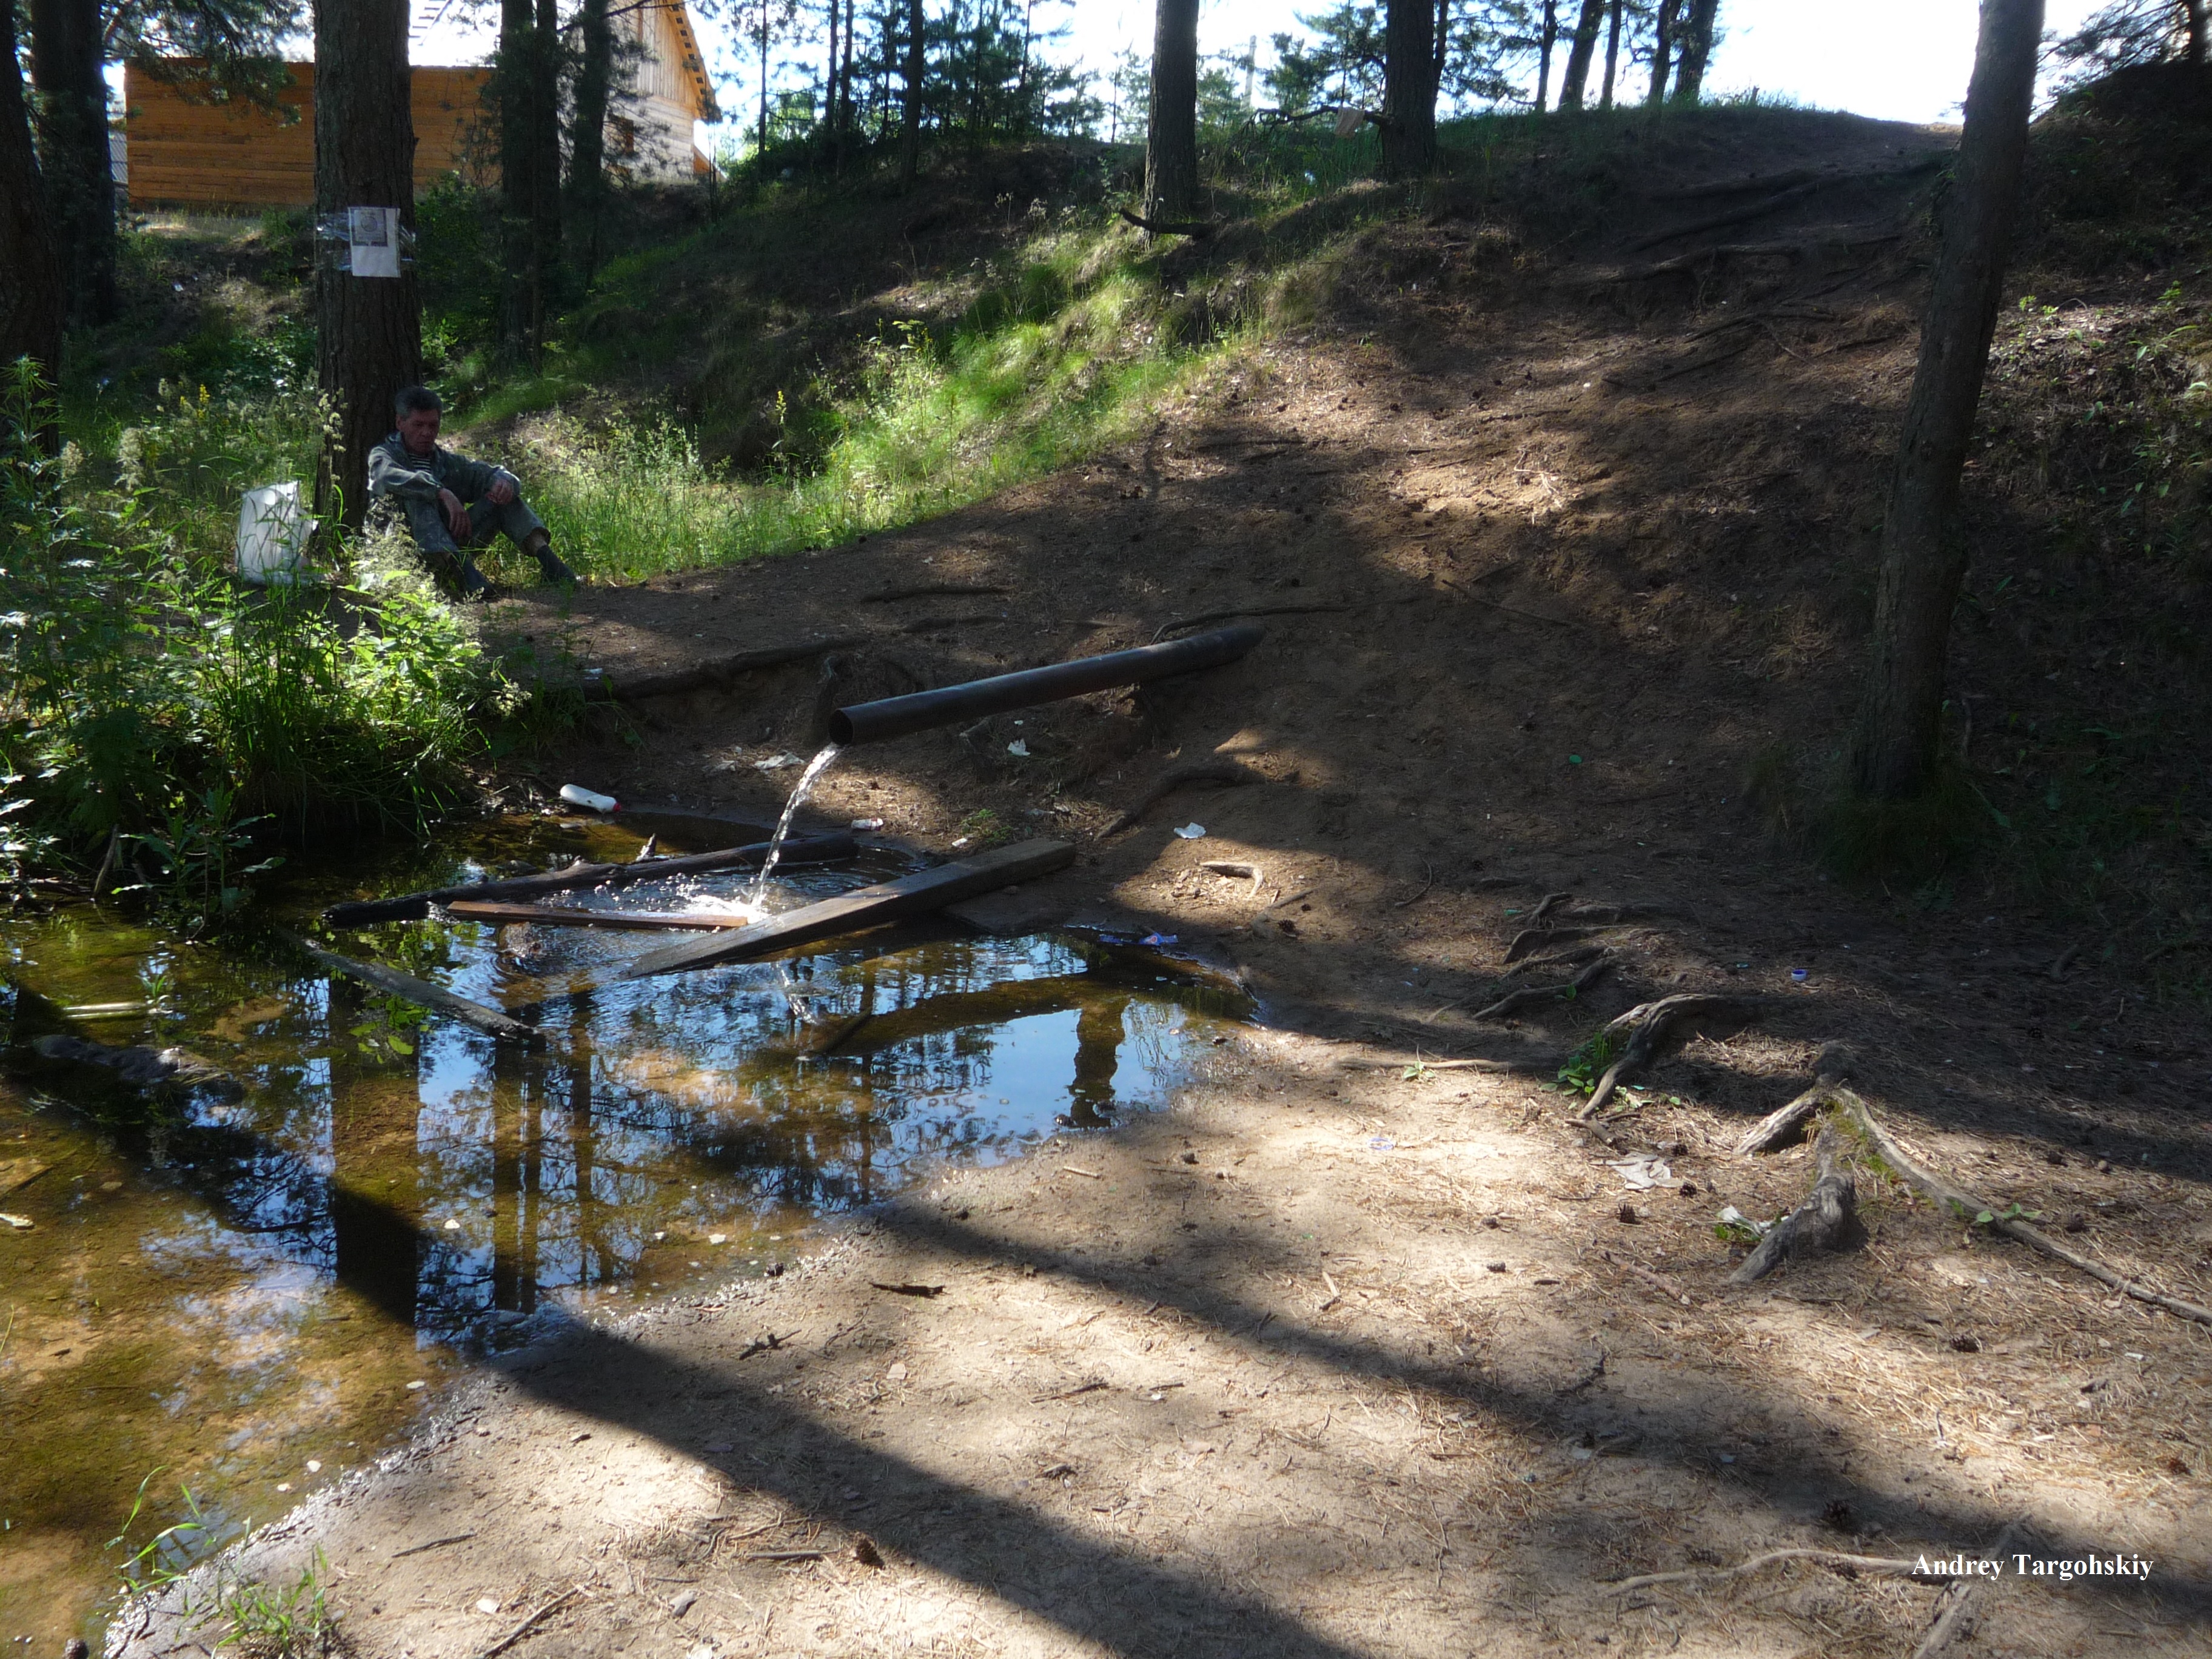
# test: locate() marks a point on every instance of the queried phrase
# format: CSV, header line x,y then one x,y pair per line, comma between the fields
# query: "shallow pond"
x,y
241,1299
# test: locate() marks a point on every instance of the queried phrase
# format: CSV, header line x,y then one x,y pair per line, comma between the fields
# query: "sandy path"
x,y
1322,1362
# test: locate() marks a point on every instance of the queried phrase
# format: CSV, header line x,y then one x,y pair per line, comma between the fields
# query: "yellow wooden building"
x,y
180,148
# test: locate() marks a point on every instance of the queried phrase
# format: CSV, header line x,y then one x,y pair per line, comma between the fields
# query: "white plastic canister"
x,y
271,532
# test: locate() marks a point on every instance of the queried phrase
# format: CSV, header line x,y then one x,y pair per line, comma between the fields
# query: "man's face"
x,y
418,430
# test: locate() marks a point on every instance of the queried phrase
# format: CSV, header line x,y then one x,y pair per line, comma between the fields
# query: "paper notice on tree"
x,y
373,233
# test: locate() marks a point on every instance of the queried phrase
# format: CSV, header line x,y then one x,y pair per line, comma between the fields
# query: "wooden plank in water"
x,y
830,848
421,991
867,907
571,915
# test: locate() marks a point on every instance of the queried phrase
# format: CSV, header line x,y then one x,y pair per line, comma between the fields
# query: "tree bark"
x,y
1697,50
1662,45
1923,558
587,135
1546,41
2193,40
910,111
517,162
1612,53
368,329
545,267
1409,89
1579,53
31,302
1172,129
66,51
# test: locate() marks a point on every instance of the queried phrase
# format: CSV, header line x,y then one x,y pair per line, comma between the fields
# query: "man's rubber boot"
x,y
550,564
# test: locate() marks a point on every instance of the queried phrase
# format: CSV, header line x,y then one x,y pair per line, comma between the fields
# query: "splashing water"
x,y
800,790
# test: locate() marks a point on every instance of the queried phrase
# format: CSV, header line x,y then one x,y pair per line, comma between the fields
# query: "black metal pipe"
x,y
895,717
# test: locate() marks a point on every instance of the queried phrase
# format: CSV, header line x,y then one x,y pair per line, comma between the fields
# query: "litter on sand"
x,y
1191,832
777,762
1643,1170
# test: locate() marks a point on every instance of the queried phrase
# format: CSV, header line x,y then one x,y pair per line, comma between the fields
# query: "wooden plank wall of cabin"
x,y
183,150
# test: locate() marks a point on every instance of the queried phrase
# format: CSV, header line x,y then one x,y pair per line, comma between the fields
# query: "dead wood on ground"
x,y
1826,1220
1514,1000
1647,1025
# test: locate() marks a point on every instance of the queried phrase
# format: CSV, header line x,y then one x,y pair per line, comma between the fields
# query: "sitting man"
x,y
452,504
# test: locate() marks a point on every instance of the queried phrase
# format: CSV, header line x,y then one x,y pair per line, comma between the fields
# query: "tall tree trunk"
x,y
66,50
1171,126
517,164
1922,558
2194,44
1697,50
830,74
31,302
910,112
1549,39
845,122
587,136
368,330
763,74
1662,45
1584,47
1612,53
546,268
1409,89
1436,67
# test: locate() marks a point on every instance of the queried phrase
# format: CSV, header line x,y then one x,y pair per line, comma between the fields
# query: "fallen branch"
x,y
421,992
1645,1276
1205,617
1954,1608
1227,773
530,1623
1191,227
932,590
574,915
1826,1221
1514,1000
1681,369
1883,1563
604,688
1238,870
1522,1067
1647,1025
1966,1203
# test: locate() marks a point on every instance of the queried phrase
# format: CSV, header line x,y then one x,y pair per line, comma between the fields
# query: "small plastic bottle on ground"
x,y
576,795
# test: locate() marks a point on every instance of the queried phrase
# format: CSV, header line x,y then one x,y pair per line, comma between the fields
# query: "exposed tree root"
x,y
1531,938
1826,1220
1882,1564
1228,773
1205,617
1965,1205
1513,1000
1647,1025
1781,1126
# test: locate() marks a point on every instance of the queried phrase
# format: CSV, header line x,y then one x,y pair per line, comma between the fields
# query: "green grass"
x,y
1062,356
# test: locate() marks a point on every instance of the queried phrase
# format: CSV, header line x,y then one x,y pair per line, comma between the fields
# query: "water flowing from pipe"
x,y
800,790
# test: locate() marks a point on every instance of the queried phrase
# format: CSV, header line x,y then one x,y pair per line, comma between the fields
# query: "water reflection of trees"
x,y
469,1179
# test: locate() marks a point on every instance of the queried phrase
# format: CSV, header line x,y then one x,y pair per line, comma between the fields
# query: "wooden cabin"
x,y
182,148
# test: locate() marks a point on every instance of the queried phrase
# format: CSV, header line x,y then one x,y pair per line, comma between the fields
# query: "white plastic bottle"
x,y
576,795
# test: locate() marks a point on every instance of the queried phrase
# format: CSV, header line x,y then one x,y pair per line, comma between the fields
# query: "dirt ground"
x,y
1367,1347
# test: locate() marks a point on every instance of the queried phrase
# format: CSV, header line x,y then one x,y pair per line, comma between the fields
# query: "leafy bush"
x,y
155,709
